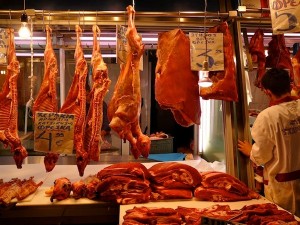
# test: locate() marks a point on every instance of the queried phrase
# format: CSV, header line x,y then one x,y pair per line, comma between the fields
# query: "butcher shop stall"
x,y
131,113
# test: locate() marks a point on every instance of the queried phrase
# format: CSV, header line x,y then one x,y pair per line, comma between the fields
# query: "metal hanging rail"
x,y
145,21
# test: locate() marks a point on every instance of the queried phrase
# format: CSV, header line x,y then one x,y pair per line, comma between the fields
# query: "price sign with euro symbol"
x,y
285,16
54,132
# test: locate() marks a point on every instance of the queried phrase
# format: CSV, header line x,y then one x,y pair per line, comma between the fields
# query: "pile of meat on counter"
x,y
17,189
264,214
132,182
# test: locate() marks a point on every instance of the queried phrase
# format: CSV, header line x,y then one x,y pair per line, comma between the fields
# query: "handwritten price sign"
x,y
285,16
54,132
122,47
214,51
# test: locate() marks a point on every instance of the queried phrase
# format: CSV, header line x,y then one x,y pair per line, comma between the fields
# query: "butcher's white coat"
x,y
276,133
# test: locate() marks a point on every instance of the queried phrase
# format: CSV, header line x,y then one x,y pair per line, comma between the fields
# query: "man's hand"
x,y
244,147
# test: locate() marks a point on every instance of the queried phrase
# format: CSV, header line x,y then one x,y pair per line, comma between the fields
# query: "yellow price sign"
x,y
54,132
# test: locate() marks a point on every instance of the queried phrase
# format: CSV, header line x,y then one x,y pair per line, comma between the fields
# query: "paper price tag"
x,y
3,46
54,132
214,51
122,47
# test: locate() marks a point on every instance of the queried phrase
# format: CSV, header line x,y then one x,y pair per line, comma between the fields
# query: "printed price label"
x,y
214,51
285,16
54,132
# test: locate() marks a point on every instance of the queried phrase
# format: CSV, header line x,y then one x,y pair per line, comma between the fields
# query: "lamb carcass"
x,y
176,85
46,100
224,82
257,51
9,105
75,103
94,120
125,106
279,55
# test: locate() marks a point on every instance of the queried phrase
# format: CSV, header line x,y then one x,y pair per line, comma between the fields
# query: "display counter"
x,y
38,209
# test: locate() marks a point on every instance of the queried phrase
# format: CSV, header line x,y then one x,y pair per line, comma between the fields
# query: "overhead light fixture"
x,y
24,31
204,80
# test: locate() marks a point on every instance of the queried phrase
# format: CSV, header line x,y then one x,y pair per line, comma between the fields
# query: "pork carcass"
x,y
94,120
224,82
9,105
124,107
279,55
257,51
75,103
46,100
176,85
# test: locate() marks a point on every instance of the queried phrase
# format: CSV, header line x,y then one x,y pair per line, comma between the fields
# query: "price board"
x,y
54,132
213,50
3,46
285,16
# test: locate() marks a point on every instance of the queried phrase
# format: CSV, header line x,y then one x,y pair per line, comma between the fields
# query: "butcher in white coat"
x,y
276,135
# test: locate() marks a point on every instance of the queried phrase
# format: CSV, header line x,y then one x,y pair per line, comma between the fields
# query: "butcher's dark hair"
x,y
277,81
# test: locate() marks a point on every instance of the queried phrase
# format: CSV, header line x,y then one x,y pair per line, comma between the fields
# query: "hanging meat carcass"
x,y
75,103
125,106
296,70
279,55
9,105
224,82
257,51
101,82
46,100
176,85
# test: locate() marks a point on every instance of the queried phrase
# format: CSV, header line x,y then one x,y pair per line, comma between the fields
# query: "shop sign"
x,y
54,132
3,46
285,16
208,45
251,4
122,46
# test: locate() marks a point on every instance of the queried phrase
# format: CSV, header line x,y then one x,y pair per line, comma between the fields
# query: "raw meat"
x,y
176,85
257,51
46,100
145,215
279,55
75,103
124,107
124,183
62,189
9,105
219,186
172,180
296,70
224,82
129,169
101,82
